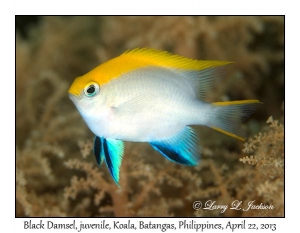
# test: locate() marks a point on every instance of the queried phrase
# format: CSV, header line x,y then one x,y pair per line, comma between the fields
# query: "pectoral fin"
x,y
110,150
182,148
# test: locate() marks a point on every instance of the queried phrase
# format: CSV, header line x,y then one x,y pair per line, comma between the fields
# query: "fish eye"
x,y
91,89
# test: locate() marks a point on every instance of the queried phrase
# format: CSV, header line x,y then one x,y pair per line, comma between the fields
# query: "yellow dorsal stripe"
x,y
165,59
227,103
228,133
135,59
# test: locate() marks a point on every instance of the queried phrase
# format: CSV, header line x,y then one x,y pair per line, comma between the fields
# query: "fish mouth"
x,y
74,97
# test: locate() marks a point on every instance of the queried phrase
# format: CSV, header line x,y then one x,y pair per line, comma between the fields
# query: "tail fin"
x,y
227,116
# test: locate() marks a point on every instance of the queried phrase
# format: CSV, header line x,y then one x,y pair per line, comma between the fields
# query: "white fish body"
x,y
147,105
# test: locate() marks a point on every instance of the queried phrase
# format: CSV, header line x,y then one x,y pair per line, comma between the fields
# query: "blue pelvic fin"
x,y
98,150
110,150
182,148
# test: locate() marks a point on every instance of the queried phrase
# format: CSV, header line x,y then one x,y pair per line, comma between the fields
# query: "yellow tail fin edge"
x,y
229,134
227,103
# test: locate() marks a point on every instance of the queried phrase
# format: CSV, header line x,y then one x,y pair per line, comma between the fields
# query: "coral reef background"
x,y
56,173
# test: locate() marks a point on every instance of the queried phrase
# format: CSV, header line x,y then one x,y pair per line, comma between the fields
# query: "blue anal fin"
x,y
98,150
182,148
113,151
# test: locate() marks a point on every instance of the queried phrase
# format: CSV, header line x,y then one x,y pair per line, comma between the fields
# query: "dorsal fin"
x,y
140,58
200,73
166,59
201,81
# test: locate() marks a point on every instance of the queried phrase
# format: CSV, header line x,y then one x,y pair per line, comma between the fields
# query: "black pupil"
x,y
91,89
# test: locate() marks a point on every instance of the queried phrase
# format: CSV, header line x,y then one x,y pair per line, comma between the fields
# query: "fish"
x,y
149,95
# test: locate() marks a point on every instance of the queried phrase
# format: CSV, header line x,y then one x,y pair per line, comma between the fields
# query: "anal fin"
x,y
182,148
